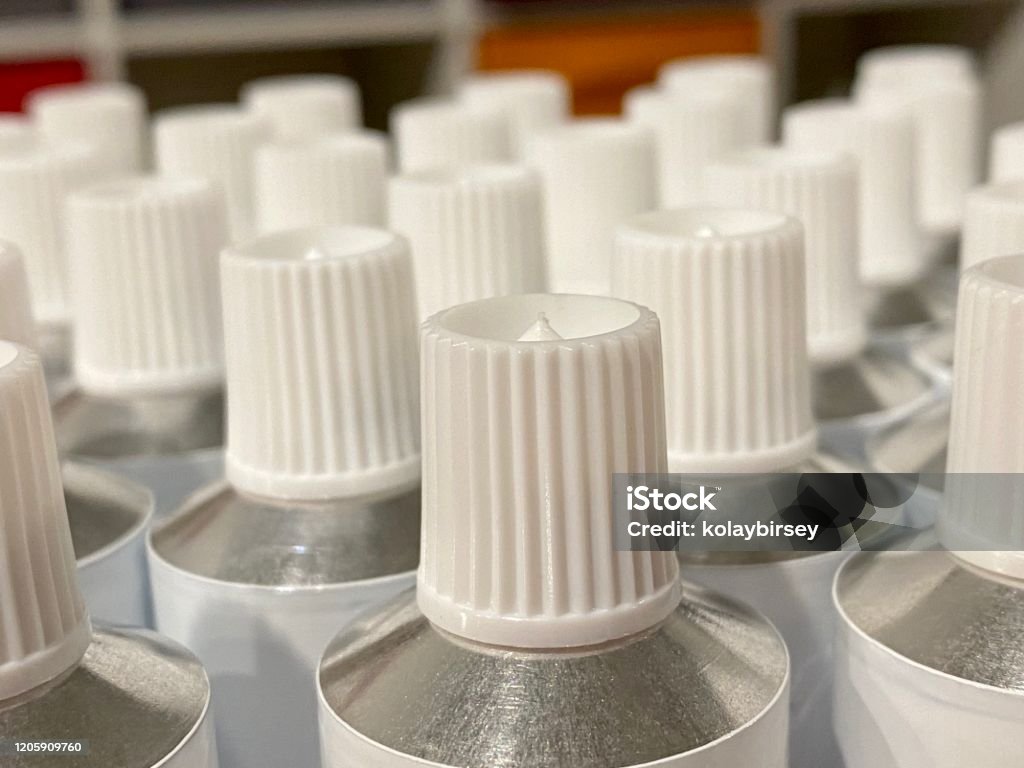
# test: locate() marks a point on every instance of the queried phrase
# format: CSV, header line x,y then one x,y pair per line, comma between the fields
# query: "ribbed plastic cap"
x,y
36,182
985,485
474,232
16,322
532,100
993,223
1006,158
145,251
749,81
596,173
728,287
327,181
303,106
945,103
901,62
691,130
44,628
530,403
110,116
881,139
434,133
217,142
16,132
819,189
320,329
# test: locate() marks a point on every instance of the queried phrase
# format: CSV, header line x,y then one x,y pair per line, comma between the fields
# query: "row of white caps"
x,y
525,398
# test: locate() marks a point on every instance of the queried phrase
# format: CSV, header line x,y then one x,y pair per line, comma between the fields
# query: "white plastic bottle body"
x,y
796,596
893,713
260,646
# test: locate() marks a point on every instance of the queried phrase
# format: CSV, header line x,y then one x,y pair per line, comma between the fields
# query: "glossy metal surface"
x,y
104,510
54,344
241,539
137,699
917,445
171,444
868,388
712,667
944,615
257,588
917,311
100,428
109,517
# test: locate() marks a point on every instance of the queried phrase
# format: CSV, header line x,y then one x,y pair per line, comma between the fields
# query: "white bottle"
x,y
530,640
111,117
474,232
37,177
217,142
148,401
322,181
305,106
905,302
929,674
938,87
856,388
113,696
319,517
533,100
595,173
728,286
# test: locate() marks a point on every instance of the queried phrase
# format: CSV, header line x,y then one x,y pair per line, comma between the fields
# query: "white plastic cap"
x,y
332,180
749,81
16,322
320,329
112,117
993,223
217,142
304,106
596,173
819,189
690,130
531,403
474,232
1006,158
892,251
902,62
144,277
36,182
16,132
434,133
44,628
945,103
984,494
532,100
728,287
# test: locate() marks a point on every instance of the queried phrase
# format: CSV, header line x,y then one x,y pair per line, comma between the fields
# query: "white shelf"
x,y
36,38
157,32
102,32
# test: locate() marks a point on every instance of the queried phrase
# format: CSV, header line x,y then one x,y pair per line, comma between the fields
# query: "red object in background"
x,y
18,79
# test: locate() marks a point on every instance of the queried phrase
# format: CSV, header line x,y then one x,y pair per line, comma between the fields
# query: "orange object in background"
x,y
19,79
603,59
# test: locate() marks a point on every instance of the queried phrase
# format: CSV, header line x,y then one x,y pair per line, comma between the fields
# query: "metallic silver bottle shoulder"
x,y
399,684
136,700
172,444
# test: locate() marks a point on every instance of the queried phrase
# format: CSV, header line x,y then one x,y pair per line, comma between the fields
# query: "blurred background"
x,y
186,51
